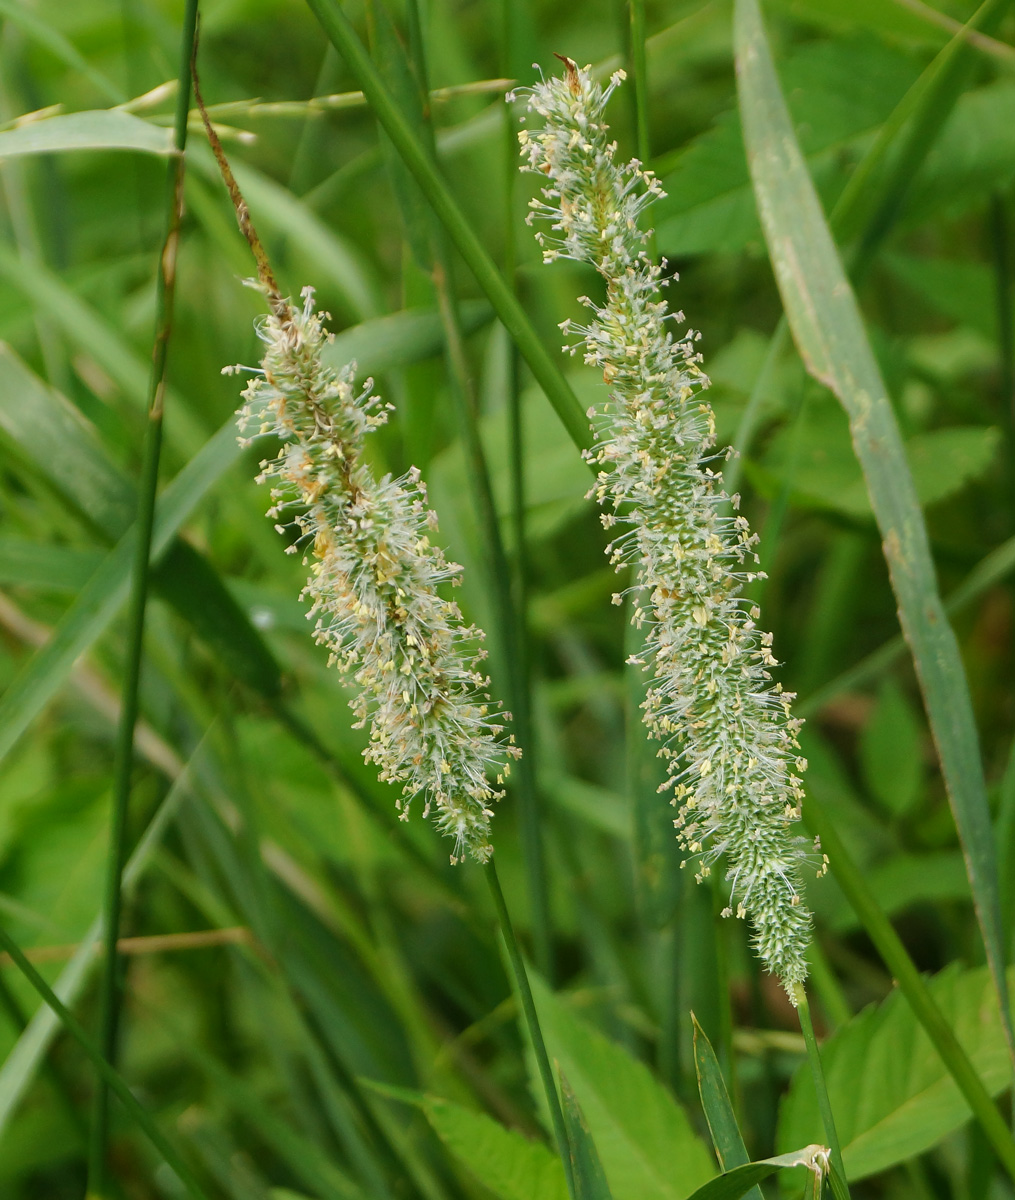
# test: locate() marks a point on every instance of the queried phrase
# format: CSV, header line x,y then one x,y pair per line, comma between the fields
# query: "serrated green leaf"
x,y
645,1141
890,1092
891,750
103,129
943,461
510,1165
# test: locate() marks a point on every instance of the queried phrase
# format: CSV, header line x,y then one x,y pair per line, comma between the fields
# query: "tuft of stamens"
x,y
373,589
725,728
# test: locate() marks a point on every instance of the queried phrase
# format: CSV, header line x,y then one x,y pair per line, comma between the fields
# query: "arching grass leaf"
x,y
892,1095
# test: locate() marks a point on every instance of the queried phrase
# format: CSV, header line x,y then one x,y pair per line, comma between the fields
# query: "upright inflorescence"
x,y
373,587
725,728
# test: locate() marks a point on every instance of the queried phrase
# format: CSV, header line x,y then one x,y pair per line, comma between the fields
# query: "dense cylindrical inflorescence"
x,y
373,587
726,729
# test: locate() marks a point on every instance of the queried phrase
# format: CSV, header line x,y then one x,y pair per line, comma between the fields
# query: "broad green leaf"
x,y
891,750
589,1179
99,130
645,1141
944,460
829,333
503,1160
891,1094
960,289
840,90
816,456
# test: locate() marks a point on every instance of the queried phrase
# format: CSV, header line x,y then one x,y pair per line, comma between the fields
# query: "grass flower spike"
x,y
373,588
725,727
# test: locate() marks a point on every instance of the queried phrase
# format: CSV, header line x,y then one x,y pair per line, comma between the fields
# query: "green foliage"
x,y
892,1095
647,1145
335,943
509,1164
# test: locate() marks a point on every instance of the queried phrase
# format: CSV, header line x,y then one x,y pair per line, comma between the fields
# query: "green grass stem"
x,y
803,1009
463,394
639,73
110,987
521,981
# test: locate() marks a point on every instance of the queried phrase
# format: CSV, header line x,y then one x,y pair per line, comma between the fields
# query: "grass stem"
x,y
463,394
820,1087
521,980
109,996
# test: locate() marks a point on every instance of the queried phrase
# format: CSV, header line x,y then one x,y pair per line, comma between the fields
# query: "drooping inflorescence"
x,y
373,586
725,728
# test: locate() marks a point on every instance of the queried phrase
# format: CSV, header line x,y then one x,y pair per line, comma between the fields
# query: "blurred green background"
x,y
345,952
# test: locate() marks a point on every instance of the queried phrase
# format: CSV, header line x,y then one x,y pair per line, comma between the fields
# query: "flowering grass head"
x,y
374,589
375,582
725,729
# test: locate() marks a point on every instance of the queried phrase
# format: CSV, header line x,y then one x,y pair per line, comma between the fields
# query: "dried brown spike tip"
x,y
571,67
264,272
